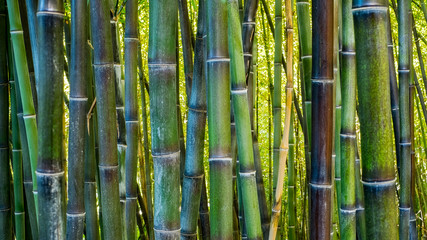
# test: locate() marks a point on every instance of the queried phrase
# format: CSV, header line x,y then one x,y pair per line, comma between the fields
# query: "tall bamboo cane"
x,y
5,176
193,173
348,126
378,170
292,191
131,115
106,120
146,150
50,173
239,94
218,85
18,191
187,48
29,113
78,74
31,222
277,107
164,123
360,201
404,66
284,145
322,121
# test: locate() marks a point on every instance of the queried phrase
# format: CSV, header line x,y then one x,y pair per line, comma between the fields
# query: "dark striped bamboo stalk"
x,y
106,120
348,126
31,7
322,120
50,172
239,93
218,99
164,123
131,115
5,176
29,113
18,183
284,145
78,75
194,170
378,179
404,67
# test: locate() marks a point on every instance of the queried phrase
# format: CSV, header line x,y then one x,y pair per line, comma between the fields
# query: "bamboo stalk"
x,y
131,115
194,170
218,99
164,123
29,113
31,215
50,172
348,127
106,120
146,150
18,191
5,176
322,121
360,201
378,177
292,191
241,106
187,48
284,145
404,66
77,106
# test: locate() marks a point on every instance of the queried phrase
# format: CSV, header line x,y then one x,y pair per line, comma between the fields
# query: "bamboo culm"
x,y
218,99
23,78
372,69
78,75
131,116
108,168
164,123
50,172
194,171
239,93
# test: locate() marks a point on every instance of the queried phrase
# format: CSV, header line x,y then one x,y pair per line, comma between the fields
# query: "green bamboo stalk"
x,y
404,66
193,173
50,173
29,113
164,123
187,48
204,213
284,145
131,115
5,177
292,191
413,234
146,150
31,8
241,106
31,217
106,120
18,191
322,121
78,74
218,99
277,107
348,126
305,38
372,66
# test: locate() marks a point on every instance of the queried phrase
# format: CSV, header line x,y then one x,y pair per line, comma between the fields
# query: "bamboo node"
x,y
167,231
214,159
50,13
383,183
321,185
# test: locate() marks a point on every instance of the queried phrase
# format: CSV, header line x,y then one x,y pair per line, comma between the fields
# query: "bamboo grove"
x,y
213,119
